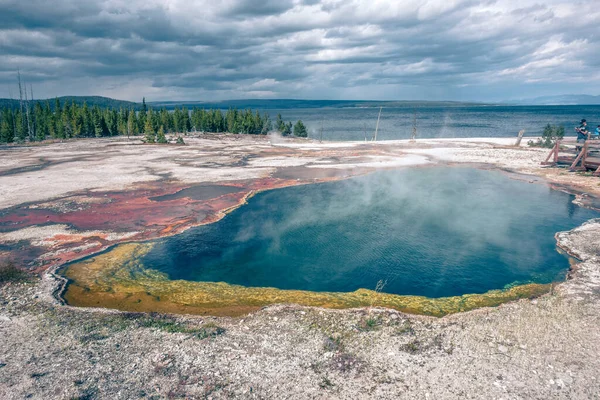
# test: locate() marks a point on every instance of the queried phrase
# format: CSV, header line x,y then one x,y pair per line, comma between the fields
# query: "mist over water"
x,y
439,121
427,231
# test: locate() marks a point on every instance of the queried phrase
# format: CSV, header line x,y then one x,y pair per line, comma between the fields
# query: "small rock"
x,y
567,380
4,318
394,316
502,349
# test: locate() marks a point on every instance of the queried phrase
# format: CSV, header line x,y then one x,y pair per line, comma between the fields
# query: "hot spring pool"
x,y
434,232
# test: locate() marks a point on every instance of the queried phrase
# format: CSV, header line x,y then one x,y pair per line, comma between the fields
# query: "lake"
x,y
438,121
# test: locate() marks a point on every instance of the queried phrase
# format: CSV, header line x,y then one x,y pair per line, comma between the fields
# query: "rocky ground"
x,y
541,348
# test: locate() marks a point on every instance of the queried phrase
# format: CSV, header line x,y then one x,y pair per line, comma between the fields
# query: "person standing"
x,y
582,133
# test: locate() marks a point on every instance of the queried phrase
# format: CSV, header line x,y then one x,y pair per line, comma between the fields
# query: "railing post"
x,y
553,154
579,157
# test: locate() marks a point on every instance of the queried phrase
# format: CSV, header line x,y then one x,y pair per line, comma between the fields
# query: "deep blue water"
x,y
438,121
427,231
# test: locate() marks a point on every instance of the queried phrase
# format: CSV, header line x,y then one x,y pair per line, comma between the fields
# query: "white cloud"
x,y
178,49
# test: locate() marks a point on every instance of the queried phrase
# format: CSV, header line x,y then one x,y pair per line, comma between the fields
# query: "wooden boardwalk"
x,y
577,157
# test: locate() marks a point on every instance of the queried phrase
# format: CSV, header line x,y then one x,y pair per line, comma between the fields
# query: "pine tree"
x,y
48,122
78,128
154,120
185,122
266,124
195,119
247,122
97,122
21,130
300,129
257,124
165,119
231,118
219,120
110,119
65,119
141,118
279,124
87,127
176,120
131,123
97,126
6,128
287,129
160,137
149,132
122,121
40,122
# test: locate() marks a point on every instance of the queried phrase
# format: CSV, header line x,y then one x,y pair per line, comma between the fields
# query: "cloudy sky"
x,y
314,49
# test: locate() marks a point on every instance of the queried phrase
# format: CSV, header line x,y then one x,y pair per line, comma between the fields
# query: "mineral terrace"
x,y
63,201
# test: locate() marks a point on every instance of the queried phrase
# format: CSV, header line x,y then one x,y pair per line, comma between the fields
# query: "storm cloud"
x,y
359,49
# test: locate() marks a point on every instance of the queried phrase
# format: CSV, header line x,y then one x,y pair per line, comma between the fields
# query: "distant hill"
x,y
260,104
103,102
270,104
565,99
295,103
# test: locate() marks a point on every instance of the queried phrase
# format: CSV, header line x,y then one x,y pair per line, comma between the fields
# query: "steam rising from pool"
x,y
429,231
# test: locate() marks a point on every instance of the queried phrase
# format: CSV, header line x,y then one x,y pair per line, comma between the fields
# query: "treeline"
x,y
102,102
36,121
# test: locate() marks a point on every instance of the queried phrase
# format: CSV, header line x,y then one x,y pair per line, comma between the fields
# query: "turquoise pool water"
x,y
424,231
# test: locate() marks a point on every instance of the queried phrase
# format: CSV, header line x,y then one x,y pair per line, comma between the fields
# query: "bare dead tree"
x,y
28,114
377,126
14,122
20,99
33,122
24,104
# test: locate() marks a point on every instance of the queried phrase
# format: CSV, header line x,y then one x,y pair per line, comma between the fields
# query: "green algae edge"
x,y
117,279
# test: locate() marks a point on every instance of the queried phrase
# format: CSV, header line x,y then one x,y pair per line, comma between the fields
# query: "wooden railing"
x,y
579,157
